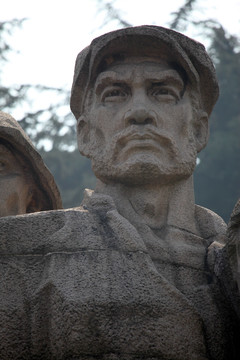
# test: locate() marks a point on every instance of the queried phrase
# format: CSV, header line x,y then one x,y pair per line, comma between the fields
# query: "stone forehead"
x,y
145,41
139,68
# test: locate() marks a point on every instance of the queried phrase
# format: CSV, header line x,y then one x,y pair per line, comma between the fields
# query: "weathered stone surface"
x,y
85,285
26,184
227,264
138,271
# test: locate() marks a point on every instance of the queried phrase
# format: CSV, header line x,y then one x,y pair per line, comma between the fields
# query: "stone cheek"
x,y
85,290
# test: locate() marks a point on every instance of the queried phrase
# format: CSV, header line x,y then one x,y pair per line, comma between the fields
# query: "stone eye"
x,y
164,93
160,91
114,95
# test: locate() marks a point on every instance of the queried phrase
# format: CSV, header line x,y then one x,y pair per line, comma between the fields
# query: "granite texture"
x,y
82,284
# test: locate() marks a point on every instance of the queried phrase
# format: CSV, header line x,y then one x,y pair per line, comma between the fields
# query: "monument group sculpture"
x,y
138,271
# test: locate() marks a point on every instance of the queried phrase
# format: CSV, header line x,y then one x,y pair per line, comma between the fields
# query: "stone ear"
x,y
83,135
201,130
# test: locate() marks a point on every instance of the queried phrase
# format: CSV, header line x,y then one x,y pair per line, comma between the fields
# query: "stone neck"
x,y
156,206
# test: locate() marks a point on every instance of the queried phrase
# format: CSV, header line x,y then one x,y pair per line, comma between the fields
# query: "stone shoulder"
x,y
212,228
44,231
210,224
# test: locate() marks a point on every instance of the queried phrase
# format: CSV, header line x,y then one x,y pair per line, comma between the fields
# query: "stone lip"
x,y
12,132
145,41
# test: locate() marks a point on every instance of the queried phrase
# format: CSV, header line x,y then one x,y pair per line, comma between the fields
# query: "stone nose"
x,y
139,116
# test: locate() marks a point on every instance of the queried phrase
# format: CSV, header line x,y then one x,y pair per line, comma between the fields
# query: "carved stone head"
x,y
142,97
26,184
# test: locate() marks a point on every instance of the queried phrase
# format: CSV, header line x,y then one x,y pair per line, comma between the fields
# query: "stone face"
x,y
26,184
139,271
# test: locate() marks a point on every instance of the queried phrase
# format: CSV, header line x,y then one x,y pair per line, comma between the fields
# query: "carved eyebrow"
x,y
167,77
170,77
108,77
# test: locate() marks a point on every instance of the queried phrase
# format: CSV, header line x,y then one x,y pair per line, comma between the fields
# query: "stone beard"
x,y
140,124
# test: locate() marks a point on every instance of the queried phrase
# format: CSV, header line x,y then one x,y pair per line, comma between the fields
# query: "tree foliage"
x,y
72,172
9,98
181,16
111,13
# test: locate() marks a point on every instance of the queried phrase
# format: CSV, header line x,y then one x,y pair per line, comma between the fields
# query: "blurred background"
x,y
39,41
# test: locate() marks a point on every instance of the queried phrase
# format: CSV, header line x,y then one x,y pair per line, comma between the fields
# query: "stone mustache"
x,y
138,271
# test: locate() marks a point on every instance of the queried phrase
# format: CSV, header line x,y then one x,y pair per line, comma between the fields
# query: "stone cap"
x,y
12,132
146,40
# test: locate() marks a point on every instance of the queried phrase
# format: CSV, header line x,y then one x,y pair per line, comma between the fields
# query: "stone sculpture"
x,y
134,272
26,184
234,236
227,265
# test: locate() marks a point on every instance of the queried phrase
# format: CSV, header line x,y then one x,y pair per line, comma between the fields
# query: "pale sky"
x,y
56,30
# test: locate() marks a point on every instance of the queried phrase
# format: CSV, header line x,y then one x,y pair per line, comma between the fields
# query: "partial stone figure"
x,y
234,235
26,184
227,265
133,272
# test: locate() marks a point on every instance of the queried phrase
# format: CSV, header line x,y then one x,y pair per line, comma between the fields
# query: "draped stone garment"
x,y
85,283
